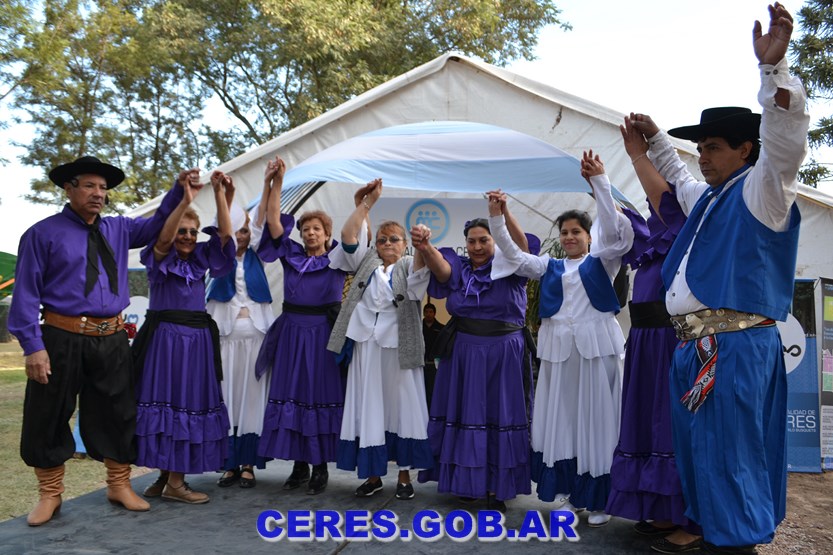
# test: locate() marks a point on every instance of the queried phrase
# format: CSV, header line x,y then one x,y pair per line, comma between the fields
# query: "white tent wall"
x,y
454,87
815,253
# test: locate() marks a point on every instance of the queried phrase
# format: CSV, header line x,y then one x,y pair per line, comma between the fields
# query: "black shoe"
x,y
368,488
155,489
404,491
648,529
227,479
247,483
494,503
300,475
318,481
664,546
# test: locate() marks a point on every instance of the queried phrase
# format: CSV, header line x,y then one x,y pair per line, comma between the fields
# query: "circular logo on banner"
x,y
794,340
430,213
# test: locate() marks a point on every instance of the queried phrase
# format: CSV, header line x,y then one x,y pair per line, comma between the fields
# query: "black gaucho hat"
x,y
725,122
86,164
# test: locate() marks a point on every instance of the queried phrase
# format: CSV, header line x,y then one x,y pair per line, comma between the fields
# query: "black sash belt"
x,y
485,328
649,315
444,343
189,318
330,310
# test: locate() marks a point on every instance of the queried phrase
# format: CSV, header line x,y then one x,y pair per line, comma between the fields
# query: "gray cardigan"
x,y
411,344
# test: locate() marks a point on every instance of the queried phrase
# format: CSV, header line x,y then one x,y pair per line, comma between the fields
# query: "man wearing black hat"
x,y
728,277
74,265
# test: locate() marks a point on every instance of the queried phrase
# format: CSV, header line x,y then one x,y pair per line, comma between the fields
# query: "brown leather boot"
x,y
50,486
119,489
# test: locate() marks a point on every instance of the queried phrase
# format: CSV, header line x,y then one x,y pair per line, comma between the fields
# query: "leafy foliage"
x,y
813,61
129,80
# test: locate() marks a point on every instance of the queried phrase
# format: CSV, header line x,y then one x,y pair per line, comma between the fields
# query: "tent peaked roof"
x,y
435,66
457,88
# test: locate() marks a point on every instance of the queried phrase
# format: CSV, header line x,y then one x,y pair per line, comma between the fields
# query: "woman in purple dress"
x,y
645,485
479,420
182,424
306,396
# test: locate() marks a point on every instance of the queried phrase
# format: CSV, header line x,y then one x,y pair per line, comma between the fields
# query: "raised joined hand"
x,y
275,170
634,141
190,182
370,192
421,237
644,124
497,202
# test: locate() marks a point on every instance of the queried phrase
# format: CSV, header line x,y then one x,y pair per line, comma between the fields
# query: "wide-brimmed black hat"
x,y
86,164
727,121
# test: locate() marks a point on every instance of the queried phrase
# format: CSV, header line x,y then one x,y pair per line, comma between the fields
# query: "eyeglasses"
x,y
184,231
393,239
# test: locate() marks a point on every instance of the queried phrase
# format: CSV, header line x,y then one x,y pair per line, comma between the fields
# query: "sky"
x,y
663,58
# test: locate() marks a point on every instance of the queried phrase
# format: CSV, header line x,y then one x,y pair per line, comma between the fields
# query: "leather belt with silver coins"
x,y
711,321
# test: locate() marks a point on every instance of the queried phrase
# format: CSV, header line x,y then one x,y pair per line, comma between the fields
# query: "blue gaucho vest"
x,y
594,278
736,262
257,286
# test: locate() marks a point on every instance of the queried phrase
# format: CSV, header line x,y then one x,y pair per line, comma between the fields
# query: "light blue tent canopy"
x,y
450,156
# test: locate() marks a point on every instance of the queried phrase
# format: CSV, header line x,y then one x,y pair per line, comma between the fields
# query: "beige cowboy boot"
x,y
119,489
50,487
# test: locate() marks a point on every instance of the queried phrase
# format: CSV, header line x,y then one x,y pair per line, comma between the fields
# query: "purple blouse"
x,y
179,284
307,280
471,293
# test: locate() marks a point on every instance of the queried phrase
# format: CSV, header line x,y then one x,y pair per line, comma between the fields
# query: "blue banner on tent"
x,y
801,357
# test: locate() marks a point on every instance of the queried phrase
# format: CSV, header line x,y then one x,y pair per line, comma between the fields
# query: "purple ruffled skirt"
x,y
644,480
181,423
478,427
306,397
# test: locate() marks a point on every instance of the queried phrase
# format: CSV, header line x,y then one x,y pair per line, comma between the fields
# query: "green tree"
x,y
276,64
14,18
813,57
128,80
95,83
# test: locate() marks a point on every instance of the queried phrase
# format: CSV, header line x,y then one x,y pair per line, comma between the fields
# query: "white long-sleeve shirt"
x,y
594,333
771,185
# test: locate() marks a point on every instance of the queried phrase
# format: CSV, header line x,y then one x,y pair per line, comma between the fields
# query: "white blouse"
x,y
375,314
594,333
226,313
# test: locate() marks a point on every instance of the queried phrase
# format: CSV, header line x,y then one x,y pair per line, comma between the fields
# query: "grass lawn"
x,y
17,481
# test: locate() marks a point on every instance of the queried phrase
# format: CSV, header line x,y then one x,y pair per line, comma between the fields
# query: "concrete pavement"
x,y
228,524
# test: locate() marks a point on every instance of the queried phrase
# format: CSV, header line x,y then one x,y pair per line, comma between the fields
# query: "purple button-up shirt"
x,y
51,268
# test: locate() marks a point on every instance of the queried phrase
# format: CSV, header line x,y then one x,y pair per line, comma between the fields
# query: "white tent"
x,y
456,88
